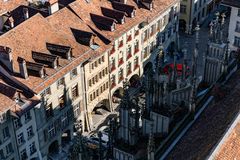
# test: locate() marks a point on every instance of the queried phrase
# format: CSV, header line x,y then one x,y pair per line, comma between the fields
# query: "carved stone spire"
x,y
194,74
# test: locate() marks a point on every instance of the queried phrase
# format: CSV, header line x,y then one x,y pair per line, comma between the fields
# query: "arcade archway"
x,y
54,147
182,25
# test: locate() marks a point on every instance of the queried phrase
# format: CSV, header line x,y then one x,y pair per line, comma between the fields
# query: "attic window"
x,y
103,22
51,60
119,16
36,69
60,50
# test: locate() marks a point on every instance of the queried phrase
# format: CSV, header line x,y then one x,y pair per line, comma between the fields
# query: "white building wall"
x,y
232,27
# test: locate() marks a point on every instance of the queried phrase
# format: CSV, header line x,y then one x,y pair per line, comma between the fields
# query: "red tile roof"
x,y
230,149
84,10
9,5
32,35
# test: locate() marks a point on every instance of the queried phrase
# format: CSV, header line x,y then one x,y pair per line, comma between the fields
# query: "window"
x,y
97,92
136,46
64,120
27,116
23,154
145,52
75,92
102,58
238,12
90,82
76,110
120,43
91,98
120,75
96,78
29,132
100,75
6,133
195,7
95,63
20,139
120,58
1,154
113,64
159,25
47,91
144,35
106,70
136,63
61,101
237,41
32,148
51,131
237,27
129,52
113,81
60,82
129,37
106,85
17,123
183,8
129,68
49,111
73,73
151,30
9,148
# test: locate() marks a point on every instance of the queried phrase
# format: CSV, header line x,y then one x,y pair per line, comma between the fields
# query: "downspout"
x,y
86,117
190,17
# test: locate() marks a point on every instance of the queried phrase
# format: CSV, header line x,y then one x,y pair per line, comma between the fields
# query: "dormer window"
x,y
113,27
133,13
73,73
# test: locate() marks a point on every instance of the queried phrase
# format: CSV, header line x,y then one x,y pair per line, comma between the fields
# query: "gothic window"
x,y
32,148
20,139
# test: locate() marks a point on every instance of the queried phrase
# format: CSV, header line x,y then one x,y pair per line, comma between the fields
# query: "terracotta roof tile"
x,y
33,34
230,149
9,5
84,11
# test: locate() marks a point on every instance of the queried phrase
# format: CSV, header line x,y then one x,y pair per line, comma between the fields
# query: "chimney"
x,y
22,67
52,6
11,22
123,1
25,13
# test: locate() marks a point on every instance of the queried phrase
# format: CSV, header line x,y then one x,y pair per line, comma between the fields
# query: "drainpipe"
x,y
190,17
85,96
